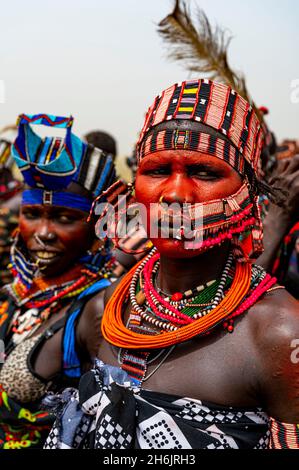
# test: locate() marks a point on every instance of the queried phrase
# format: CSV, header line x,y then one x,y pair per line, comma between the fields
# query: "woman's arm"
x,y
277,342
88,330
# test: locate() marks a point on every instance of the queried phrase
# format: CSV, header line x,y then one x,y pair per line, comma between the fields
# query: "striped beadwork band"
x,y
215,105
191,140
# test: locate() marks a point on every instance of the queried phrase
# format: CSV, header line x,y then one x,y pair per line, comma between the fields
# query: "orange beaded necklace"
x,y
116,333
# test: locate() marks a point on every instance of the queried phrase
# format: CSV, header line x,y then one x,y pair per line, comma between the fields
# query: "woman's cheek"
x,y
146,190
81,236
26,229
209,191
71,234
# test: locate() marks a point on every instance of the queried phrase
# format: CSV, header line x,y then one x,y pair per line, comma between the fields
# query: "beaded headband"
x,y
52,164
215,105
55,198
192,140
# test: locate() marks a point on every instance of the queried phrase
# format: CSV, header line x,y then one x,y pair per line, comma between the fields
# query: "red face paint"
x,y
180,176
55,236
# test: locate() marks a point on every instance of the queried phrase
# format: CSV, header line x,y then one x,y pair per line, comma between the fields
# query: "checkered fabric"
x,y
52,440
126,417
110,435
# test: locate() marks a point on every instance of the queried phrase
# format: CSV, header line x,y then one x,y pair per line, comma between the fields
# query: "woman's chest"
x,y
219,369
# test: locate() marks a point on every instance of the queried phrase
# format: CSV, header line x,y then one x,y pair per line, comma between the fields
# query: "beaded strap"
x,y
284,436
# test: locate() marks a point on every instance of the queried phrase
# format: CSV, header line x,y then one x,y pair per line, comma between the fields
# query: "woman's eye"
x,y
204,174
65,219
158,172
31,215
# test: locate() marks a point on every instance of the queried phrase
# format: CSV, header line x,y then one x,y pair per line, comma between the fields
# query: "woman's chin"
x,y
174,248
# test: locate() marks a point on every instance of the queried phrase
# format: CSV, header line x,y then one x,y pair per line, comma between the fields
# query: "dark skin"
x,y
251,367
67,234
61,232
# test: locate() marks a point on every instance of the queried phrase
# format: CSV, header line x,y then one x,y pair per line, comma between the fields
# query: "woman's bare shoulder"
x,y
274,325
110,290
275,317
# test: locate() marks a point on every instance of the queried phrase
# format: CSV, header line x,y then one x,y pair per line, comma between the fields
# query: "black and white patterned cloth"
x,y
107,412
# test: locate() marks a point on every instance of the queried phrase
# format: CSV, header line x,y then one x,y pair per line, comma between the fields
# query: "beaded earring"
x,y
118,201
248,246
22,269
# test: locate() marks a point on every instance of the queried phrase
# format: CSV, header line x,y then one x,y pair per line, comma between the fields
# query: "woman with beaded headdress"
x,y
197,340
49,314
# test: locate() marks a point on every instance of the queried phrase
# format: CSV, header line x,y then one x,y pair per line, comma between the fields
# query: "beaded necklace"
x,y
176,312
31,315
135,362
232,305
47,297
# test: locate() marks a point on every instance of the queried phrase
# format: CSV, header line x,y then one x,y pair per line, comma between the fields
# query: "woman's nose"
x,y
45,231
180,189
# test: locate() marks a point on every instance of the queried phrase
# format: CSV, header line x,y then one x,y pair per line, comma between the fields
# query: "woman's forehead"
x,y
183,157
51,209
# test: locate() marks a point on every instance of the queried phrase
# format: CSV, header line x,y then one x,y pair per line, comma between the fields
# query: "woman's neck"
x,y
180,275
58,279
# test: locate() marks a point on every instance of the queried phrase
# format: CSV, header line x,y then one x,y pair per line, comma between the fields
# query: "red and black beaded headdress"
x,y
213,104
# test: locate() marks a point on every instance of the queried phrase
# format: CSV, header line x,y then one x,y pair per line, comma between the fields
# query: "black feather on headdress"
x,y
203,49
200,48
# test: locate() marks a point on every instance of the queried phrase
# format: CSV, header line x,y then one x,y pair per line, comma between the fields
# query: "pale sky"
x,y
103,62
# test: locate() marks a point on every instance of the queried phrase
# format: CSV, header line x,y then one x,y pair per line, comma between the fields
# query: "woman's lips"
x,y
178,228
46,257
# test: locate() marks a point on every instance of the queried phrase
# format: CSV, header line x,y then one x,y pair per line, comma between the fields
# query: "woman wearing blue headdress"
x,y
50,313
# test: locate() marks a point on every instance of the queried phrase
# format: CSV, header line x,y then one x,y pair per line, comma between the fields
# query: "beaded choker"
x,y
36,298
169,314
45,299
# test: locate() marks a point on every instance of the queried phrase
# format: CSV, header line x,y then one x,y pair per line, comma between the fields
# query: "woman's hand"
x,y
280,220
286,176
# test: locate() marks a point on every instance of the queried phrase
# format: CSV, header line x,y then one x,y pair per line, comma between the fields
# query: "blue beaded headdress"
x,y
49,165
